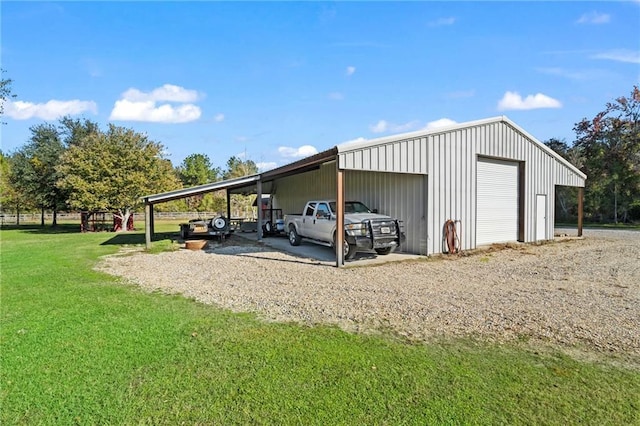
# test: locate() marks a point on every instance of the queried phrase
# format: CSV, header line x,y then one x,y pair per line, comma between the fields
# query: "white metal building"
x,y
490,176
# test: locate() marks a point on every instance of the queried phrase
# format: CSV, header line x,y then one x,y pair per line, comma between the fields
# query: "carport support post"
x,y
580,210
147,224
229,204
339,216
259,206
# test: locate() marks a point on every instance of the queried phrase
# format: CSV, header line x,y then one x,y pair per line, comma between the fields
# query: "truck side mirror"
x,y
374,211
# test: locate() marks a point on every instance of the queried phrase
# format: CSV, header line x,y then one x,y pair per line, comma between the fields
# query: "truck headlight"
x,y
357,229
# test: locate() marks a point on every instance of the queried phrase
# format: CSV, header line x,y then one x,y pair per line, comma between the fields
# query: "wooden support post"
x,y
147,225
153,220
339,215
259,205
229,204
580,210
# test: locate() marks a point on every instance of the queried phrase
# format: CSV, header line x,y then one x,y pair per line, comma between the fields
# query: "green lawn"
x,y
77,347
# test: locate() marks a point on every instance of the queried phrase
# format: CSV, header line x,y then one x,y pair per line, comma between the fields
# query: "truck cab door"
x,y
306,225
323,223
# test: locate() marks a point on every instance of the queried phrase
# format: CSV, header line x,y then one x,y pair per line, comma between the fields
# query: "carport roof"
x,y
246,183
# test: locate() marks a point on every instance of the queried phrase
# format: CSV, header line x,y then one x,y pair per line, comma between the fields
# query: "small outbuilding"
x,y
491,178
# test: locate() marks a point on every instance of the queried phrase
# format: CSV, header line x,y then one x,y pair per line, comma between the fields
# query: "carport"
x,y
257,184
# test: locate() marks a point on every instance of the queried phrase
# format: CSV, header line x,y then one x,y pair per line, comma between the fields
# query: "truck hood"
x,y
359,217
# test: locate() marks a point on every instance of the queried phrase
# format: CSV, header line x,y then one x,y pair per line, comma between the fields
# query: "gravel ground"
x,y
583,292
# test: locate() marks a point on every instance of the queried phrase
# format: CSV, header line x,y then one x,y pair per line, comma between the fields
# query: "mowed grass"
x,y
78,347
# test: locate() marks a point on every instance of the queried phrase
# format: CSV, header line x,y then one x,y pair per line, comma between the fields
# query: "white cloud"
x,y
379,127
135,105
442,122
350,70
336,96
51,110
620,55
126,110
303,151
442,22
167,92
266,165
513,101
385,126
594,18
219,118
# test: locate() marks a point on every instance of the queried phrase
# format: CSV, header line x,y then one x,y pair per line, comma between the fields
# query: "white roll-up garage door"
x,y
497,201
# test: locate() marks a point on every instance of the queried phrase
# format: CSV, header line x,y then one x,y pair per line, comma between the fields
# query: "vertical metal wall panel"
x,y
292,192
402,156
399,195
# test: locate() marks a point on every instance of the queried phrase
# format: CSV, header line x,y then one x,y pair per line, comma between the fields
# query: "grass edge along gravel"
x,y
80,347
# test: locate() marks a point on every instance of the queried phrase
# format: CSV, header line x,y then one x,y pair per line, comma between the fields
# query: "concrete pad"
x,y
326,255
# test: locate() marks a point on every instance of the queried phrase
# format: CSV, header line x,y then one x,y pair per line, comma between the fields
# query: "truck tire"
x,y
383,251
294,238
347,250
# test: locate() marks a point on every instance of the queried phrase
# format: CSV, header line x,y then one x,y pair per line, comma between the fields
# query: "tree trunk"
x,y
120,225
54,222
18,214
42,216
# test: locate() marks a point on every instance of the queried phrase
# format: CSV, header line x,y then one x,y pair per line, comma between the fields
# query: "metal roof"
x,y
240,182
354,146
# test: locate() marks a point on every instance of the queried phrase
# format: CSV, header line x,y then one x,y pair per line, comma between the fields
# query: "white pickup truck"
x,y
364,229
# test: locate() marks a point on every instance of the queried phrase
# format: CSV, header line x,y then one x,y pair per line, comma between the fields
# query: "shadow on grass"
x,y
133,238
65,228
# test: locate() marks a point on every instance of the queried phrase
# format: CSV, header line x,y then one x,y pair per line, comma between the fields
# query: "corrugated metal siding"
x,y
451,191
395,194
398,195
292,193
403,156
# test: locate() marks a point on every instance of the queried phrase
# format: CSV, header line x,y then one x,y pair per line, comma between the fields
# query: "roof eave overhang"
x,y
201,189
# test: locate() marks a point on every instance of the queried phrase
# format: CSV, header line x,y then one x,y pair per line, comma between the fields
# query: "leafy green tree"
x,y
34,170
239,168
196,169
610,147
10,197
241,206
5,92
112,170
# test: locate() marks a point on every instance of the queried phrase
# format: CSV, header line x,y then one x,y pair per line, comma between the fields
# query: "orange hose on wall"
x,y
451,237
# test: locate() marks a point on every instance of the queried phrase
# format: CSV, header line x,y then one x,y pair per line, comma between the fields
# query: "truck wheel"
x,y
294,238
267,227
347,250
383,251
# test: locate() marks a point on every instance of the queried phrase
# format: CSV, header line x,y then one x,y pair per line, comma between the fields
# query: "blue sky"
x,y
274,82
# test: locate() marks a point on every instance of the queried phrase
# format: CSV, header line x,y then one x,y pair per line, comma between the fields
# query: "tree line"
x,y
607,150
75,165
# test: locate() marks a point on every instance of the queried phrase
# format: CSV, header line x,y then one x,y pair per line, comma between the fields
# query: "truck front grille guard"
x,y
395,228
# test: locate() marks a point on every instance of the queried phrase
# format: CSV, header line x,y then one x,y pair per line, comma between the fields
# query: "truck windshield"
x,y
352,207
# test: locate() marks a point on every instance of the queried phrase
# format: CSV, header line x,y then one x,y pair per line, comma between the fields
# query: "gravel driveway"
x,y
573,292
